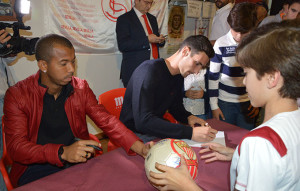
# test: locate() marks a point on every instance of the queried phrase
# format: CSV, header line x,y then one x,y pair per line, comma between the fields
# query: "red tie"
x,y
153,45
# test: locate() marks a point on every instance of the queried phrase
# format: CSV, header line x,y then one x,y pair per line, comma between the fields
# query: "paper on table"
x,y
220,138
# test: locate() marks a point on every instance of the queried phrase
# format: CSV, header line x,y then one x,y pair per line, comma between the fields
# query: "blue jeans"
x,y
2,184
37,171
237,114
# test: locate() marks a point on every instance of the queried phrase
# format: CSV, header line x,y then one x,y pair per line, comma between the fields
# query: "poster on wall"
x,y
202,26
7,10
203,12
90,24
194,8
176,22
175,28
198,16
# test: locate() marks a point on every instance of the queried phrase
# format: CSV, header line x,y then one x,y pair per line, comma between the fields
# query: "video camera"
x,y
17,43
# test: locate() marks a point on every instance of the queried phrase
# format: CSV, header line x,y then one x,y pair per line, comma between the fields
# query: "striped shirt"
x,y
225,74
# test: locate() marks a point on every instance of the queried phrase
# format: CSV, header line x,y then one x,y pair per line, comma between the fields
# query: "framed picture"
x,y
7,12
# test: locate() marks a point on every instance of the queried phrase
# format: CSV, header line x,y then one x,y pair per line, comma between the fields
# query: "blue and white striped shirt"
x,y
225,74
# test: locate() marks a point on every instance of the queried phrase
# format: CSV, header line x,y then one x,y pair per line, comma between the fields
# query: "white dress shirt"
x,y
220,26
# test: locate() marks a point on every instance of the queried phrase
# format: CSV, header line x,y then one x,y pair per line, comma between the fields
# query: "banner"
x,y
90,24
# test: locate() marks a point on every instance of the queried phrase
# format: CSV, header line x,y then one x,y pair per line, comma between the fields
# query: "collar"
x,y
65,91
138,13
39,81
228,6
69,87
231,38
279,17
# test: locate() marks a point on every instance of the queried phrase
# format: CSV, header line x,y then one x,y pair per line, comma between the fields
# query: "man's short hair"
x,y
274,47
242,17
198,43
290,2
44,46
286,2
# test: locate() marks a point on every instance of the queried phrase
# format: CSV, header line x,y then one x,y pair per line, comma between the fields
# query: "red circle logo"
x,y
112,9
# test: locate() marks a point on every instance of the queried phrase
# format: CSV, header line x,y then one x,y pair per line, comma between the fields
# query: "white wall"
x,y
101,71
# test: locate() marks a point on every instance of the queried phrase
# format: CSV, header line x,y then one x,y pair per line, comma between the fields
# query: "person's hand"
x,y
156,39
217,113
79,151
194,94
146,149
173,178
161,39
253,111
218,152
142,149
4,37
204,133
195,121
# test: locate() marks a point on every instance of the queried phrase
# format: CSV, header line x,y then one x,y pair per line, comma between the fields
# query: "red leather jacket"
x,y
23,106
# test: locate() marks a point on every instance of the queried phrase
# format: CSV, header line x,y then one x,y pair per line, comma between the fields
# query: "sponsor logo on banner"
x,y
112,9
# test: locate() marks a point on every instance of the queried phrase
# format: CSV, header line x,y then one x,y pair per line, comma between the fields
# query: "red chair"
x,y
5,162
167,116
112,100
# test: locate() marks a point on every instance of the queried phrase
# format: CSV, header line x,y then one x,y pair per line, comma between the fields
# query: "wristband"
x,y
60,152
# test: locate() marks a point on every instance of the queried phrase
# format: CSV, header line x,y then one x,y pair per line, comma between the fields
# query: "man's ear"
x,y
185,51
273,79
42,65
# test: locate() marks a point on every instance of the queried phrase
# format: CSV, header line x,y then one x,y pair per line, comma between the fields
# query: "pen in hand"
x,y
95,147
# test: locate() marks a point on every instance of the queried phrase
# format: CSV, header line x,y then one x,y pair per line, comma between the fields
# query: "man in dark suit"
x,y
138,38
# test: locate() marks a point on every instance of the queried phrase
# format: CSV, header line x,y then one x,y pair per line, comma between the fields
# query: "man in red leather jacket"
x,y
46,112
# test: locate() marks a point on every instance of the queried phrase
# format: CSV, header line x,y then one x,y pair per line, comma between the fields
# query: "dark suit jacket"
x,y
133,42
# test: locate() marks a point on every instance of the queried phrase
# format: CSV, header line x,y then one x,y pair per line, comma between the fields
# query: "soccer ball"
x,y
167,152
